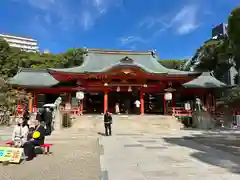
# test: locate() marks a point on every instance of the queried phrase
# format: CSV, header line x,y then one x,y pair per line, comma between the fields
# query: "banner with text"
x,y
10,154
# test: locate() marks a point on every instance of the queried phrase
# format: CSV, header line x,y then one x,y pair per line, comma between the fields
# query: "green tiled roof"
x,y
33,78
205,80
96,61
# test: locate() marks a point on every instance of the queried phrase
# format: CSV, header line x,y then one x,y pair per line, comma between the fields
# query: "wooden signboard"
x,y
10,154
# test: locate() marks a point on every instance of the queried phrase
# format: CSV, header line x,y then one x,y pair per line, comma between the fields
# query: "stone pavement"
x,y
75,157
141,148
134,157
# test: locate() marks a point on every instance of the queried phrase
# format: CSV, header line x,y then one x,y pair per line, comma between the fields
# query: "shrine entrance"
x,y
125,101
93,103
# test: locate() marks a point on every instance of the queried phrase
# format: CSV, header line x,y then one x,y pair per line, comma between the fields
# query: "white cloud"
x,y
185,21
92,10
182,22
131,39
87,21
83,12
42,4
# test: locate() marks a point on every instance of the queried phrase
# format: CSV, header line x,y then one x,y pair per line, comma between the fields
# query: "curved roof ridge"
x,y
118,51
32,70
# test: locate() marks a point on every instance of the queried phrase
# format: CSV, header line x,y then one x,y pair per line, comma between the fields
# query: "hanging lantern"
x,y
129,89
168,96
118,89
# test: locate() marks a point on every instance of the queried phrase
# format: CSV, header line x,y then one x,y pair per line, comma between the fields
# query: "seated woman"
x,y
38,137
20,133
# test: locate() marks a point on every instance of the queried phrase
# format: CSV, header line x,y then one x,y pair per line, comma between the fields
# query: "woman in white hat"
x,y
20,133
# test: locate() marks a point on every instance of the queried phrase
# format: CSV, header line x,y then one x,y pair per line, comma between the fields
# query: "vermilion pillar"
x,y
208,101
68,98
141,102
35,101
105,106
30,103
81,107
173,100
214,101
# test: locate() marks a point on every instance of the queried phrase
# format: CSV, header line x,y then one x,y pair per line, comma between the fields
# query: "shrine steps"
x,y
158,121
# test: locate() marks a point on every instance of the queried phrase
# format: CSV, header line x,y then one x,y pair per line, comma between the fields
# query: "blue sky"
x,y
175,28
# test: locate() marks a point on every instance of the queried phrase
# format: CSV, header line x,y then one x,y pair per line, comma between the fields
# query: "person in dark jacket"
x,y
108,123
47,117
39,116
29,147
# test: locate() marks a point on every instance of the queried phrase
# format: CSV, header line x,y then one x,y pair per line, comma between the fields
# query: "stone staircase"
x,y
139,123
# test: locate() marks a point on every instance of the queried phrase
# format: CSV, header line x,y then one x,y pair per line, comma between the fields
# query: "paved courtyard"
x,y
140,149
165,155
75,157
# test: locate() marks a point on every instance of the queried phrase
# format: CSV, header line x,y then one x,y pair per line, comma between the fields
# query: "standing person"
x,y
137,106
38,137
39,116
47,118
117,109
108,123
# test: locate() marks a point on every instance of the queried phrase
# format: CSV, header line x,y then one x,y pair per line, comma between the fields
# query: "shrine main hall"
x,y
110,77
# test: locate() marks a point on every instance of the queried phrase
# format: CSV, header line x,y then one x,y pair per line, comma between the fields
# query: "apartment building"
x,y
24,43
220,31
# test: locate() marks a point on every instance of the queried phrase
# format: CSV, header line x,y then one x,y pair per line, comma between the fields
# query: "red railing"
x,y
74,111
180,111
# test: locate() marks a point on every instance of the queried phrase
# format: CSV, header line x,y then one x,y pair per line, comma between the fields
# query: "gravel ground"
x,y
73,159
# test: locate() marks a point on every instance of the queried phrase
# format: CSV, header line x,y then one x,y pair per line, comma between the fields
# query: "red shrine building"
x,y
110,77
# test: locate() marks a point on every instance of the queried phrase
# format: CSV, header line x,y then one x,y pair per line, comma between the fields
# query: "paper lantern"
x,y
129,89
168,96
118,89
79,95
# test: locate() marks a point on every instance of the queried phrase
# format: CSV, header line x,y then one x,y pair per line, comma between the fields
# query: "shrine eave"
x,y
205,80
31,77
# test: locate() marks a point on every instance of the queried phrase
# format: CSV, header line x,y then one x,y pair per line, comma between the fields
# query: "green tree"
x,y
214,56
9,59
173,64
233,34
73,57
38,60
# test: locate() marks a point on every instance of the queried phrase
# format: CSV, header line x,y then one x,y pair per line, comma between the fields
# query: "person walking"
x,y
108,123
